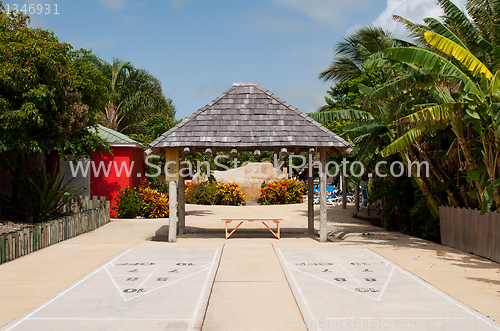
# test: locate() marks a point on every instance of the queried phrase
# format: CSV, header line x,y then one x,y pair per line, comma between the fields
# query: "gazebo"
x,y
248,117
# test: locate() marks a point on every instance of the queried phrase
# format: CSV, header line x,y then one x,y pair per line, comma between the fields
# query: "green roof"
x,y
113,137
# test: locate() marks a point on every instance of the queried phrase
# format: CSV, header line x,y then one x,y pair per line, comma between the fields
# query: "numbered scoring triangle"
x,y
134,279
368,279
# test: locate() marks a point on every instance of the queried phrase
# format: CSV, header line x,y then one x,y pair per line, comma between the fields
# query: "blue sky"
x,y
198,48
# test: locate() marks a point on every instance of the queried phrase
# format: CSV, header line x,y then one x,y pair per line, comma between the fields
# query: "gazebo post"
x,y
182,199
310,196
356,197
344,192
322,202
172,218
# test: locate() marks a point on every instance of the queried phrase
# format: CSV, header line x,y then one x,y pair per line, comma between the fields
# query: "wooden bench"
x,y
262,220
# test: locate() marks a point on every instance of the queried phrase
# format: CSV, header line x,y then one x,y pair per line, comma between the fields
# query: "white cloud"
x,y
178,3
413,10
329,12
115,4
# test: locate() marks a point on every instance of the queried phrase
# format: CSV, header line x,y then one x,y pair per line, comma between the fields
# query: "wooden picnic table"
x,y
261,220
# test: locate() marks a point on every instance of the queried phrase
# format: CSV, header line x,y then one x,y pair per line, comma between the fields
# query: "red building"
x,y
125,167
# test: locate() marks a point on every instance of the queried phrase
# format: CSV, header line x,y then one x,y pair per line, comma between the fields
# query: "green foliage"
x,y
146,201
52,194
151,128
335,126
128,203
229,194
155,204
81,144
41,99
346,94
202,193
404,207
285,191
133,95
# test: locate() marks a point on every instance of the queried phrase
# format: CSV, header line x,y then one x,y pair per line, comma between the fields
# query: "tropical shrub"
x,y
52,195
229,194
285,191
128,203
155,204
187,187
147,201
202,193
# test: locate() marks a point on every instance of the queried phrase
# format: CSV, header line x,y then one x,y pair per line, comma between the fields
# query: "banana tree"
x,y
472,112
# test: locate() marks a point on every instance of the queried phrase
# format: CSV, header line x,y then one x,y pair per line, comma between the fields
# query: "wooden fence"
x,y
469,231
89,214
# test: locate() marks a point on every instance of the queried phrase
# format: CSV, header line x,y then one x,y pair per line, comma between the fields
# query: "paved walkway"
x,y
250,291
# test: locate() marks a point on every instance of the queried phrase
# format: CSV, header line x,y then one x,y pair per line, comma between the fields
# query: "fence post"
x,y
2,249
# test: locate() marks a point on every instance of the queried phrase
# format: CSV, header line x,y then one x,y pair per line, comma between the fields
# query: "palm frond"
x,y
343,114
439,28
341,68
434,62
451,48
410,137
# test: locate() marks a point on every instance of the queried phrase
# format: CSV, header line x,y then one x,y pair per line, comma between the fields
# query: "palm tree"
x,y
134,95
353,51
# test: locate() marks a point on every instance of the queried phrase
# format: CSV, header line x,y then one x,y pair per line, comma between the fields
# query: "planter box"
x,y
467,230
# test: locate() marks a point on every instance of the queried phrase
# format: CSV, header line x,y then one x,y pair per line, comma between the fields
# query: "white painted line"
x,y
65,291
172,282
434,289
150,274
116,285
301,294
201,297
329,282
106,319
386,283
357,281
393,318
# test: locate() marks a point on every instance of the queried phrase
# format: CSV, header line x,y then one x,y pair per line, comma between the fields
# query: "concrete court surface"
x,y
140,289
369,292
250,291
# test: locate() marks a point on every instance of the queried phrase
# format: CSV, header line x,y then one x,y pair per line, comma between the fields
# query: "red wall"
x,y
108,186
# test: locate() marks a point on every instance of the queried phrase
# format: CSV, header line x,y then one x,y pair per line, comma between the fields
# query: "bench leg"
x,y
229,235
277,233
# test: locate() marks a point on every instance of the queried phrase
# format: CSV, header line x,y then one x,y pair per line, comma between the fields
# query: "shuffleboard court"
x,y
357,289
140,289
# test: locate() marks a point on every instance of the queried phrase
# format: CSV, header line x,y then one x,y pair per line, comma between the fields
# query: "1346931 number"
x,y
33,9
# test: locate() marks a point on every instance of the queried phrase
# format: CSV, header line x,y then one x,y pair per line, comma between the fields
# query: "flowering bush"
x,y
202,193
154,203
146,201
229,194
294,190
187,187
283,192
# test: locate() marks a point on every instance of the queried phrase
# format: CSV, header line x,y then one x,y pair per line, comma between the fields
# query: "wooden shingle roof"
x,y
249,117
